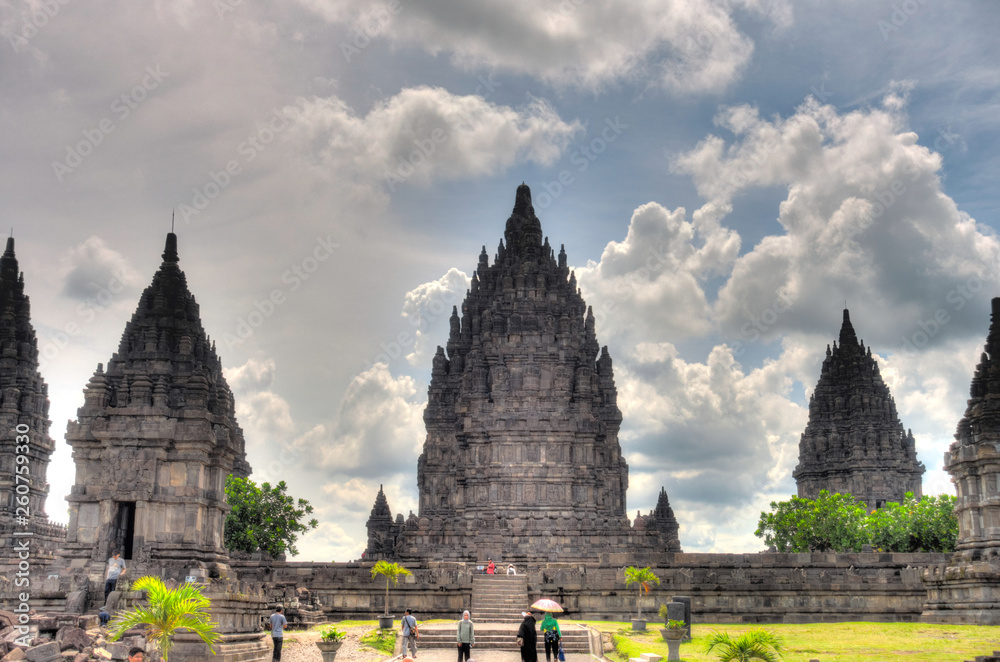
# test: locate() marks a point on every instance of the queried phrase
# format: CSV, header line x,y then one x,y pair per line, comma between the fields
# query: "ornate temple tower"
x,y
383,530
854,442
154,441
521,459
967,588
24,424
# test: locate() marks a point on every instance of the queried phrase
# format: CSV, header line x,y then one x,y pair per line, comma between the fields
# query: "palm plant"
x,y
756,644
644,577
391,572
170,610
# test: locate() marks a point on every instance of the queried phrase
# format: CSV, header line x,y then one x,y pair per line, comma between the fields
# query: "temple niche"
x,y
24,425
854,442
521,461
154,442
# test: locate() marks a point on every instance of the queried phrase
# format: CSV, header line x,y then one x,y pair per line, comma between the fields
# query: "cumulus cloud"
x,y
427,308
96,273
686,45
865,218
424,134
378,430
650,286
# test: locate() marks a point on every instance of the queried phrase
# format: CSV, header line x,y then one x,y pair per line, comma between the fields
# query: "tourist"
x,y
136,654
491,568
116,568
511,570
552,635
529,640
410,634
103,616
278,623
466,637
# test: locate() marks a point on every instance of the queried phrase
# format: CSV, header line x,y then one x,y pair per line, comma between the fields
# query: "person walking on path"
x,y
116,568
529,639
278,623
410,634
466,637
552,635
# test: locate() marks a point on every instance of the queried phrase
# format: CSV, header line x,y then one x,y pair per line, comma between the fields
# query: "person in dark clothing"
x,y
529,639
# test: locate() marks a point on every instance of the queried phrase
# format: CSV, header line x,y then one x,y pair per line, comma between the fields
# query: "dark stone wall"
x,y
724,588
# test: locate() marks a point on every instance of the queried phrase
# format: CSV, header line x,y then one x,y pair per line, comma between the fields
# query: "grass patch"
x,y
384,641
828,642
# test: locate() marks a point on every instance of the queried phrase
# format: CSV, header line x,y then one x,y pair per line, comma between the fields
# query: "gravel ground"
x,y
300,646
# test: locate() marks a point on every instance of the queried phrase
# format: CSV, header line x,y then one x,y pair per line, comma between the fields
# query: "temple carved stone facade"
x,y
522,460
25,442
967,588
854,442
154,442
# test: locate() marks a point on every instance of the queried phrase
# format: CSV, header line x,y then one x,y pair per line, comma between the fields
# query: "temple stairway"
x,y
497,603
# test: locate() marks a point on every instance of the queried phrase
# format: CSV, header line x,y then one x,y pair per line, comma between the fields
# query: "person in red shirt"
x,y
491,568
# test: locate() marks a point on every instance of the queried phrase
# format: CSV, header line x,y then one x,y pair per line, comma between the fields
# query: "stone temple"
x,y
967,588
24,423
521,460
154,442
854,442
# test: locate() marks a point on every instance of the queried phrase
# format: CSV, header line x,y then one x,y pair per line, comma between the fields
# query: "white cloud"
x,y
425,134
428,307
378,430
650,286
685,45
865,219
97,274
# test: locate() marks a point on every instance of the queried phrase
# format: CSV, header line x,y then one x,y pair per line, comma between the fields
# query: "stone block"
x,y
650,657
76,602
15,655
118,651
44,653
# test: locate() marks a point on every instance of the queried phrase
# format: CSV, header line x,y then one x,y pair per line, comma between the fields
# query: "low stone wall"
x,y
724,588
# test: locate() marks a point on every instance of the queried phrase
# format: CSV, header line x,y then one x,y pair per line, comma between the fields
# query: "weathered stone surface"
x,y
15,655
76,602
967,588
854,442
522,425
72,637
24,402
155,439
44,653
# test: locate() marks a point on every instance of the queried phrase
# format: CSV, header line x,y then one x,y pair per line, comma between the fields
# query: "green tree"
x,y
753,644
644,577
841,523
392,572
264,519
169,611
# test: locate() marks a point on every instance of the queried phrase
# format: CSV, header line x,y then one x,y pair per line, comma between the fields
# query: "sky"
x,y
724,174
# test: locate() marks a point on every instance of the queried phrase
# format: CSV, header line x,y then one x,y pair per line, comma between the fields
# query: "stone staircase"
x,y
497,603
499,598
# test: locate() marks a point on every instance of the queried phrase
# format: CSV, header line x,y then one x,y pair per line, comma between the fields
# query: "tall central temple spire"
x,y
522,422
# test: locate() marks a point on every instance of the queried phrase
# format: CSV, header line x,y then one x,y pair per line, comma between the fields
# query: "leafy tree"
x,y
169,610
264,518
392,572
753,644
841,523
644,577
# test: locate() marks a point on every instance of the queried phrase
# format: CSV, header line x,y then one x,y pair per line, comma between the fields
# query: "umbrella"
x,y
547,605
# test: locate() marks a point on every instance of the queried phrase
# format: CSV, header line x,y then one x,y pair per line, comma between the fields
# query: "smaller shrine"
x,y
854,442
